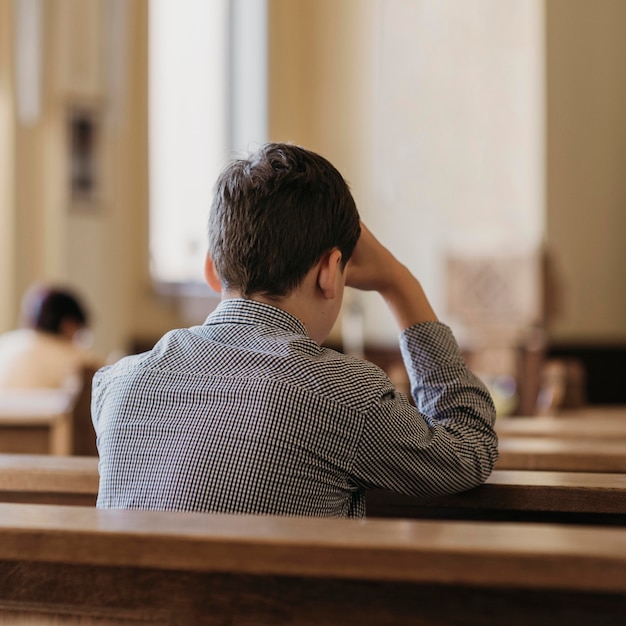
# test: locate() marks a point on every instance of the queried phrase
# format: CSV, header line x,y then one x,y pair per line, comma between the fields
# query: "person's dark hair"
x,y
45,309
274,215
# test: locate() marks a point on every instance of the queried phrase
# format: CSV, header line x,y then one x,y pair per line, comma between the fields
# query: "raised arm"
x,y
448,443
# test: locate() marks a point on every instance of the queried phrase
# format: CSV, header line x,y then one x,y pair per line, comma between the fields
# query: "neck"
x,y
305,303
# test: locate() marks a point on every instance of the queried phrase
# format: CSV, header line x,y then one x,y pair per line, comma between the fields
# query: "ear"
x,y
211,276
329,271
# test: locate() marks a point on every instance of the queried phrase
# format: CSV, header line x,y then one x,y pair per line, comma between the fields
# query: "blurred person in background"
x,y
50,350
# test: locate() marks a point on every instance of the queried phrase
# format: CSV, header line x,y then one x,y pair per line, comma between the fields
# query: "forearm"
x,y
406,299
447,444
422,455
448,394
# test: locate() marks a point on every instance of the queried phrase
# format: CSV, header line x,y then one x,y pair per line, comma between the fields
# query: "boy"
x,y
248,413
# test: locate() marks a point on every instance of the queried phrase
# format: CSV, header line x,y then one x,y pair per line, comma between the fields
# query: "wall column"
x,y
8,308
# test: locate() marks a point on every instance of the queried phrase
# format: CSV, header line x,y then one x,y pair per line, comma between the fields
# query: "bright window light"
x,y
188,126
207,104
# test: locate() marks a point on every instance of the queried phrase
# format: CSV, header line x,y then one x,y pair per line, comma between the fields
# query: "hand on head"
x,y
373,267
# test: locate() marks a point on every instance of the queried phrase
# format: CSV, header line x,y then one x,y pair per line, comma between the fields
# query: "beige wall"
x,y
322,87
586,193
432,110
481,125
7,172
322,92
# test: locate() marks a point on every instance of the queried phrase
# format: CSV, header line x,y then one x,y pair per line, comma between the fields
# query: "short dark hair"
x,y
45,309
274,215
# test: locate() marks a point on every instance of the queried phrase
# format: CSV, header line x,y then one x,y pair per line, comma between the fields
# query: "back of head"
x,y
273,217
45,309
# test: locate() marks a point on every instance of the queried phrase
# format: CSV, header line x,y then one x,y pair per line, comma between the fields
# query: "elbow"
x,y
483,461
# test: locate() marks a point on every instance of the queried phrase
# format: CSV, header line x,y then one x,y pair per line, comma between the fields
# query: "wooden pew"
x,y
43,479
561,454
609,423
525,495
83,434
36,421
595,411
48,421
122,567
508,495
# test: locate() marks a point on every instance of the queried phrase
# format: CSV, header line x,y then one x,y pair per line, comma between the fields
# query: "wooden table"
x,y
177,568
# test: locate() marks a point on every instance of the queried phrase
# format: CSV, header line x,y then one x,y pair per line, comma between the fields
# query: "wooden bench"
x,y
82,565
48,421
508,495
582,425
518,495
43,479
562,455
36,421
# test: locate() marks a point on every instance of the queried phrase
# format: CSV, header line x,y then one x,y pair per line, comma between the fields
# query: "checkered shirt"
x,y
247,414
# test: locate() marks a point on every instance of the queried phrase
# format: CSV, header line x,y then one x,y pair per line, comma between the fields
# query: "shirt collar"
x,y
244,311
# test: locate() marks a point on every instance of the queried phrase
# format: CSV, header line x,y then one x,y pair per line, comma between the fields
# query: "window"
x,y
207,102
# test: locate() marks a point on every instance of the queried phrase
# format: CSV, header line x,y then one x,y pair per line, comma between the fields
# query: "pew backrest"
x,y
36,421
573,497
582,425
518,495
181,568
44,479
566,455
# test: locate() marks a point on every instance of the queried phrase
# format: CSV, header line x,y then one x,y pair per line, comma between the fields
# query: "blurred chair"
x,y
36,421
48,421
498,301
83,433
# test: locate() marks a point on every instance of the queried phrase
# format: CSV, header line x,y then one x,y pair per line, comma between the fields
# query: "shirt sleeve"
x,y
444,444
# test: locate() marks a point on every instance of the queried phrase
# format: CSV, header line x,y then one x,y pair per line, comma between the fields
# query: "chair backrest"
x,y
498,301
36,421
83,434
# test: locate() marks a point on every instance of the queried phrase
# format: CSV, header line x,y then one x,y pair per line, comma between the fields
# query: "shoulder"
x,y
351,380
21,336
167,350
